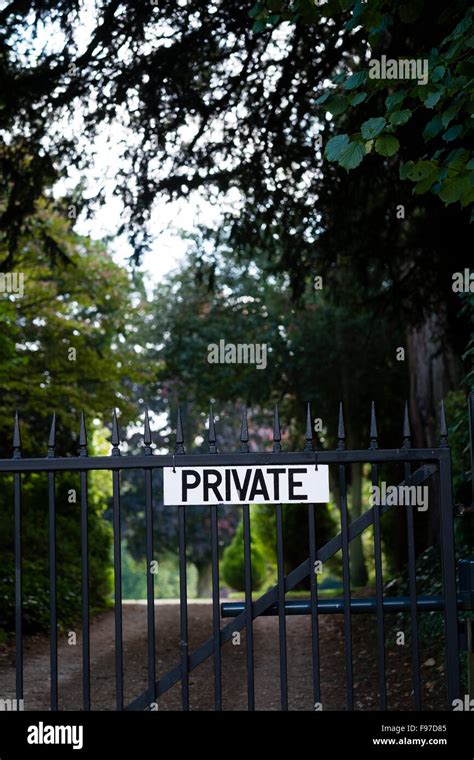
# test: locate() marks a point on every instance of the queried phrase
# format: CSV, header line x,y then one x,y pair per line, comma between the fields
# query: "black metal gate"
x,y
420,466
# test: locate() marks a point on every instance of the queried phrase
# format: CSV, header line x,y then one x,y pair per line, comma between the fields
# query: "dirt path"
x,y
267,689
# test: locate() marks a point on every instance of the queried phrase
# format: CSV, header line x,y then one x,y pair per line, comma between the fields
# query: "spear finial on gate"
x,y
147,439
406,428
244,432
276,430
179,448
52,436
443,428
82,436
211,433
341,431
115,436
373,428
308,446
16,438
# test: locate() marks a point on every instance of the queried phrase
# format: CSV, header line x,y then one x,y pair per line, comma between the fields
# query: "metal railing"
x,y
419,466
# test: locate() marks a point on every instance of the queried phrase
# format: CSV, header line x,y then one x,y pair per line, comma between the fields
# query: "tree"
x,y
64,340
317,351
232,113
434,87
62,348
217,108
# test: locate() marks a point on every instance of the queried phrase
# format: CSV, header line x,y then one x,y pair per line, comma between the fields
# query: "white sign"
x,y
270,484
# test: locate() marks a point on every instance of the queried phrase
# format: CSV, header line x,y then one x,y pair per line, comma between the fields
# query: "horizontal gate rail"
x,y
358,605
139,462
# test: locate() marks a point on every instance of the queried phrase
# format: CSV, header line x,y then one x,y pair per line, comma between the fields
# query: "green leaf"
x,y
386,145
372,127
395,100
356,80
322,98
453,132
405,169
335,147
451,111
422,170
432,99
454,49
454,188
357,12
456,159
359,97
352,155
433,128
400,117
258,8
425,184
462,27
259,26
337,104
438,73
425,174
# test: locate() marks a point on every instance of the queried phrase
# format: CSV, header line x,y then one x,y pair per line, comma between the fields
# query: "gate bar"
x,y
347,587
336,606
216,630
86,667
138,461
448,565
313,579
244,449
378,572
415,656
117,569
183,579
150,577
216,622
18,565
281,574
53,615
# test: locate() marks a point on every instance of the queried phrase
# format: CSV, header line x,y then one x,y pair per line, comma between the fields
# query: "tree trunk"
x,y
434,369
358,569
204,582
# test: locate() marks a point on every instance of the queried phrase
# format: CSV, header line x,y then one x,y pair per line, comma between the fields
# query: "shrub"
x,y
35,559
233,563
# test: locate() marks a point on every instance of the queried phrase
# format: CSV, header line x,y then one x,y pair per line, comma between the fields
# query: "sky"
x,y
168,220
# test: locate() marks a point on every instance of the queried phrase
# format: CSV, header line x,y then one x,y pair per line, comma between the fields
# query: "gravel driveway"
x,y
233,664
